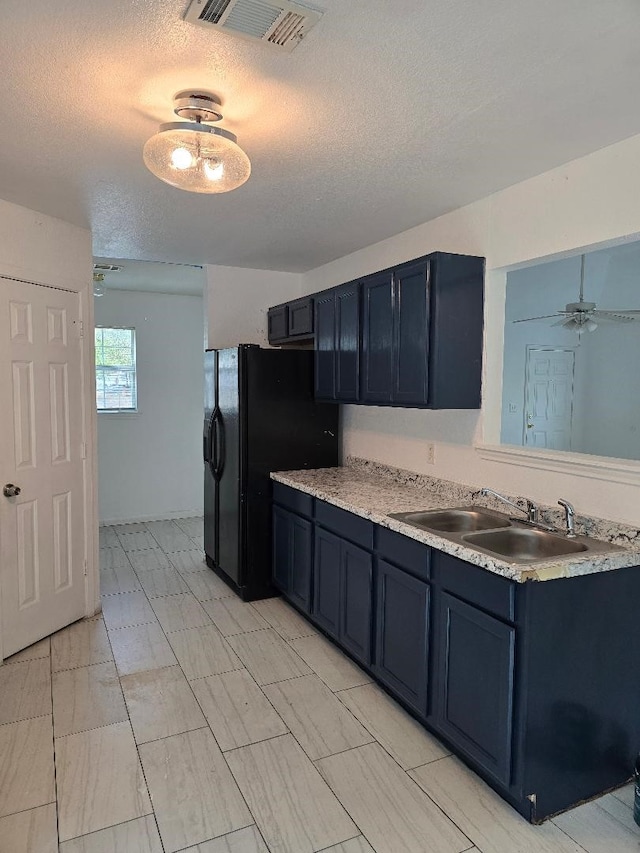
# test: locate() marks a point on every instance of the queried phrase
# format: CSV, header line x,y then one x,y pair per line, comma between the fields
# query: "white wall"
x,y
588,202
237,300
149,463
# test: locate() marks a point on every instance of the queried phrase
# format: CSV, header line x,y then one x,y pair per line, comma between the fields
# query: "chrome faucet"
x,y
569,517
531,510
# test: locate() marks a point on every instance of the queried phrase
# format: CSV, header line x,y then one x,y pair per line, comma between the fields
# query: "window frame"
x,y
134,370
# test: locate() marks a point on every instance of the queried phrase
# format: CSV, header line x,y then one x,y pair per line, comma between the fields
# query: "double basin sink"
x,y
498,535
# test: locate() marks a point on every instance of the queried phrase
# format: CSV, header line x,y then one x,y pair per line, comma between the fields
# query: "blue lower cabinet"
x,y
342,592
327,587
292,556
402,634
355,617
476,684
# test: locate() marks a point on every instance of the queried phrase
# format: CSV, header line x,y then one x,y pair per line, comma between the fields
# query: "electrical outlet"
x,y
513,408
431,453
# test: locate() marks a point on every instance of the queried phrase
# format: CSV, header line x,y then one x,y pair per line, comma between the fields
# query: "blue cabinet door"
x,y
377,339
476,673
326,581
347,342
301,557
410,352
355,616
402,634
325,346
281,555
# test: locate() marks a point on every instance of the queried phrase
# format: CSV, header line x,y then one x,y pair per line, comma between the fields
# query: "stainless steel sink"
x,y
464,519
520,544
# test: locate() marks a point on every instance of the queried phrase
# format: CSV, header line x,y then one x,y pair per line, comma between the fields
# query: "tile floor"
x,y
185,720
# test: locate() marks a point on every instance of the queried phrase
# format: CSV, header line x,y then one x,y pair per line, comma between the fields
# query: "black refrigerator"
x,y
259,416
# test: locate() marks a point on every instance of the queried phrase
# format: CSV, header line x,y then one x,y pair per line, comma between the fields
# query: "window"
x,y
116,389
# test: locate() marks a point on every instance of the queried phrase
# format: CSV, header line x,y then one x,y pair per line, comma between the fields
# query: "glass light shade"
x,y
197,158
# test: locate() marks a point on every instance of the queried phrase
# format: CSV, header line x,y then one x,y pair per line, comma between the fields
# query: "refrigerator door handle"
x,y
220,444
213,444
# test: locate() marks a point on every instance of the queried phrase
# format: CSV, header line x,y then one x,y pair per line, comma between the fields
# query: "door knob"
x,y
11,491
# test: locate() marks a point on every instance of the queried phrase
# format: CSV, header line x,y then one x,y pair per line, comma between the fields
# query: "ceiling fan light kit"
x,y
195,156
581,316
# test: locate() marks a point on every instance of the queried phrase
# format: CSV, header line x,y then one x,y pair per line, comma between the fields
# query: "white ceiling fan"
x,y
580,316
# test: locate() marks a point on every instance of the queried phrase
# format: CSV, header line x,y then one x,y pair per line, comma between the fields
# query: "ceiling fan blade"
x,y
616,316
561,321
544,317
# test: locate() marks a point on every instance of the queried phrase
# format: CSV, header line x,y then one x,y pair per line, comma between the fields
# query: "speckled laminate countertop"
x,y
373,491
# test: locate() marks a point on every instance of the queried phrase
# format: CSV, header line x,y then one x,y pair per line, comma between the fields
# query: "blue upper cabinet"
x,y
408,336
337,343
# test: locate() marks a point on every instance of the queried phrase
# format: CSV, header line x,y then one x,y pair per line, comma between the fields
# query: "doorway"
x,y
548,397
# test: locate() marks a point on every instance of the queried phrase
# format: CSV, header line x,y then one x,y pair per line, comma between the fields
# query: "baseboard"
x,y
185,513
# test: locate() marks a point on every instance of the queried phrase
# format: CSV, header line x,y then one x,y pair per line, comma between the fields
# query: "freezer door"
x,y
209,446
229,454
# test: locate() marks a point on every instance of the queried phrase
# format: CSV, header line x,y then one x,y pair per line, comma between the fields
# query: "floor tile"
x,y
26,768
334,668
625,794
284,619
491,824
316,717
86,698
195,797
391,811
123,611
131,527
267,657
118,579
193,527
354,845
41,649
206,585
294,808
149,561
598,831
108,538
236,709
160,704
135,836
179,612
111,557
139,541
33,831
81,644
233,616
247,840
190,561
161,582
404,738
171,538
619,810
100,781
141,648
25,690
203,651
198,542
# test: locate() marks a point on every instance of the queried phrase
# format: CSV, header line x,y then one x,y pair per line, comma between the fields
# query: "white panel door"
x,y
42,569
549,397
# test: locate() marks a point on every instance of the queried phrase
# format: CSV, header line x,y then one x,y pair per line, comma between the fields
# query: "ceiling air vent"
x,y
276,22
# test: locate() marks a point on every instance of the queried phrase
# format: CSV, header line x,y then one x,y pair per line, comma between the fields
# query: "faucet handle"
x,y
532,510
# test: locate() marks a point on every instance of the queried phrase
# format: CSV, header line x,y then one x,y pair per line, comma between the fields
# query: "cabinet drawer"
x,y
301,317
403,551
277,323
346,524
293,499
475,585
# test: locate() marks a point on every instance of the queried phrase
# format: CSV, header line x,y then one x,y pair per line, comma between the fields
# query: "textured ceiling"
x,y
388,114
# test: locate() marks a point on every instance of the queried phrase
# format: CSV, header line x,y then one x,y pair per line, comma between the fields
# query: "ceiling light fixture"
x,y
194,156
98,286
